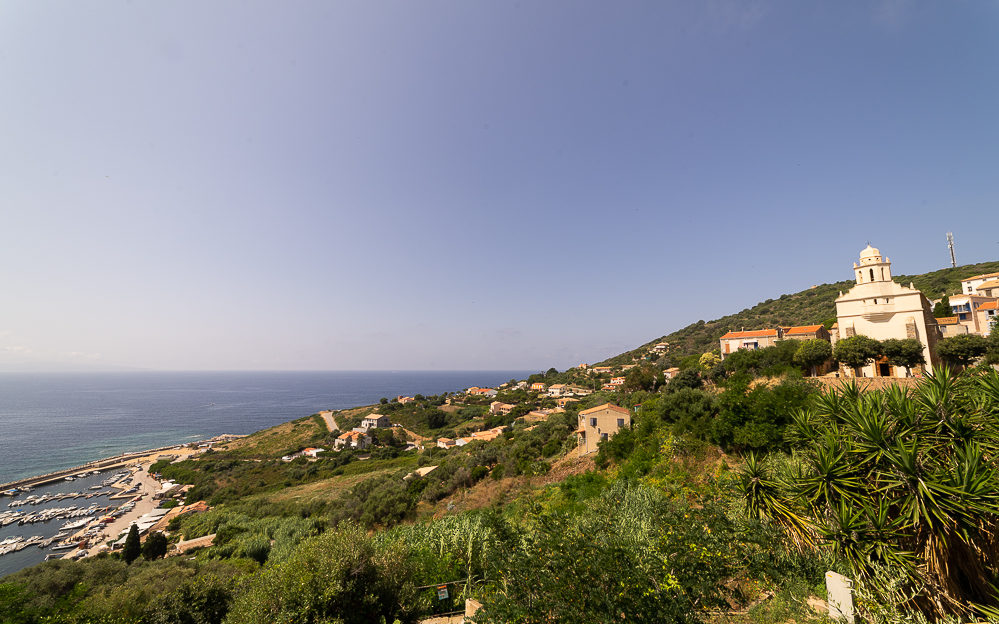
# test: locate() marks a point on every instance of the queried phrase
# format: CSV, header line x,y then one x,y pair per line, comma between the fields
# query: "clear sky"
x,y
481,185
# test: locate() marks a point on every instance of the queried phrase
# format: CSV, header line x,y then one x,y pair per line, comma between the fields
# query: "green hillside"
x,y
808,307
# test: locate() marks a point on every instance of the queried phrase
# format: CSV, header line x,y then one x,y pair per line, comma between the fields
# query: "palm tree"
x,y
904,478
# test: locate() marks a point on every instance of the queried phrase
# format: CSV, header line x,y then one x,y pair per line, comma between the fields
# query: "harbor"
x,y
79,512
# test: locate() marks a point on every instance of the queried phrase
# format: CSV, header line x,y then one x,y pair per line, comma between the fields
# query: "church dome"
x,y
870,252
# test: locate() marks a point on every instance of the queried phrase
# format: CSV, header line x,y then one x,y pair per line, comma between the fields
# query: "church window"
x,y
872,275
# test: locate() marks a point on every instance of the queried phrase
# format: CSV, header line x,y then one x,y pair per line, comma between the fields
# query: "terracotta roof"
x,y
989,284
610,406
750,334
991,305
983,275
803,329
947,320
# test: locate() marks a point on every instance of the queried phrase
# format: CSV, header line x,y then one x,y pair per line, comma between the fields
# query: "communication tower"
x,y
950,245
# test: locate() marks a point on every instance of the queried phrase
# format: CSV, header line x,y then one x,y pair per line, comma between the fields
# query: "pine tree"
x,y
132,548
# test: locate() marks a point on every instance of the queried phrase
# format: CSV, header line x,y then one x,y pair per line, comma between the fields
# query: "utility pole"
x,y
950,244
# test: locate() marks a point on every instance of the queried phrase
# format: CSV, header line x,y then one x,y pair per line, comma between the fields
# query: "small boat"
x,y
70,478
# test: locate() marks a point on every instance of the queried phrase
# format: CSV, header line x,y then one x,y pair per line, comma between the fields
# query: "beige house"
x,y
752,339
951,326
974,285
806,332
987,315
375,421
537,387
352,439
965,308
879,308
600,423
563,401
988,289
556,390
496,407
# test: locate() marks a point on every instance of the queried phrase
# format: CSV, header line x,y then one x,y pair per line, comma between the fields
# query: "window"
x,y
872,275
593,422
620,422
603,436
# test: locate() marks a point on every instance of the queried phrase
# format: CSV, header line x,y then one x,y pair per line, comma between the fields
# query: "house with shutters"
x,y
600,423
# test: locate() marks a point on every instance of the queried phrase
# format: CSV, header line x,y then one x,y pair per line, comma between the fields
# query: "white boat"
x,y
70,479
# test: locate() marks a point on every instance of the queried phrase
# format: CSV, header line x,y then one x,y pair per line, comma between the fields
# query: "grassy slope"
x,y
815,305
276,441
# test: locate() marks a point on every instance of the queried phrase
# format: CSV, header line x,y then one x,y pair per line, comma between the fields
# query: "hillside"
x,y
808,307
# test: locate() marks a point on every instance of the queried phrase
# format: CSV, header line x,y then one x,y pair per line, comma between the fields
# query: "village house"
x,y
537,387
806,332
973,285
577,391
556,390
563,401
352,439
486,392
879,308
489,434
989,288
600,370
498,408
405,399
951,326
965,308
617,381
751,339
375,421
600,423
660,348
670,373
987,316
446,443
541,415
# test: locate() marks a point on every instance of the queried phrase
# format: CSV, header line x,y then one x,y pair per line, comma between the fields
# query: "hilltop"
x,y
807,307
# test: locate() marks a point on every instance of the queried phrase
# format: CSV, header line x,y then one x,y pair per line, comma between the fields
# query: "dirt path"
x,y
331,423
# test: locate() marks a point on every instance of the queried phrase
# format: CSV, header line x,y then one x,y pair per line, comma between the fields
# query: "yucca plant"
x,y
901,478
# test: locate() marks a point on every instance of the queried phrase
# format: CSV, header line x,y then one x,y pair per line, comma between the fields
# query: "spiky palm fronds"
x,y
901,478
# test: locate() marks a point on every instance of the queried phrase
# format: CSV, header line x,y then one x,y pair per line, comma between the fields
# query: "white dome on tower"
x,y
870,255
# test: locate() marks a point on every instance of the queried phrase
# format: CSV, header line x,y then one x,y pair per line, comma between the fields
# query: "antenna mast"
x,y
950,245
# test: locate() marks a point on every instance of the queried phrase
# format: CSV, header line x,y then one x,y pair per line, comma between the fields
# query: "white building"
x,y
879,308
971,285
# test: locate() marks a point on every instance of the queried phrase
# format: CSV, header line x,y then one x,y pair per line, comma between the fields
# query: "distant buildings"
x,y
974,285
751,339
375,421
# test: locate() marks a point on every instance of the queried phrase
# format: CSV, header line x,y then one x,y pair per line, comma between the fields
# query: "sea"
x,y
52,421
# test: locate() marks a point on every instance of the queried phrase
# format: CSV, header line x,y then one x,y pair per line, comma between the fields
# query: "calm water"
x,y
60,420
54,421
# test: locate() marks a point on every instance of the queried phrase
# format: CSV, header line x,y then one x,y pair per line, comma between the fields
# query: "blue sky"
x,y
452,185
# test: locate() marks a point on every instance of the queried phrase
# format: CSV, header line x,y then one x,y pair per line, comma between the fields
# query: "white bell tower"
x,y
873,267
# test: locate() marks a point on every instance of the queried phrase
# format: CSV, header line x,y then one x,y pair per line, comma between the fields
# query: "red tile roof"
x,y
803,329
990,305
750,334
610,406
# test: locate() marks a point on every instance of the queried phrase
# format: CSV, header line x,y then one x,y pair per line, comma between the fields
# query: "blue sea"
x,y
50,421
61,420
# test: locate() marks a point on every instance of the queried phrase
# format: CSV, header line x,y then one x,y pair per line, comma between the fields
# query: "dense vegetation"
x,y
902,485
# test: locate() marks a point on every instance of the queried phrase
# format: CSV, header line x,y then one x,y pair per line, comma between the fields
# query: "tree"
x,y
962,350
155,546
942,308
812,353
895,479
132,548
906,352
856,352
993,353
707,361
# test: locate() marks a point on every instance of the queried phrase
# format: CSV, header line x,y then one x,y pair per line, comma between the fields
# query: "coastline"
x,y
107,463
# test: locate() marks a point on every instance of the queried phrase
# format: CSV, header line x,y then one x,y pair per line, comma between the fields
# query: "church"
x,y
879,308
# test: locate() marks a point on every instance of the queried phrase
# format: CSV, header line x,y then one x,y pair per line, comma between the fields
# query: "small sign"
x,y
442,592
